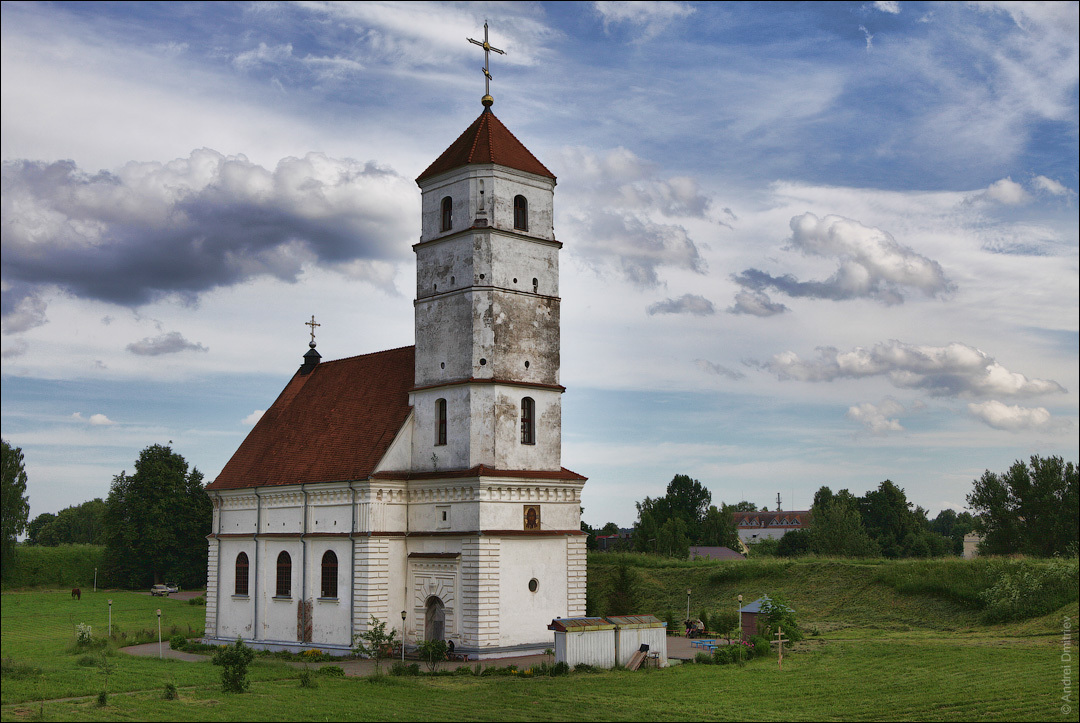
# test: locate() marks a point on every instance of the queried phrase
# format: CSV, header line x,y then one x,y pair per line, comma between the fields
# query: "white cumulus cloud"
x,y
952,370
878,418
872,264
255,416
1012,418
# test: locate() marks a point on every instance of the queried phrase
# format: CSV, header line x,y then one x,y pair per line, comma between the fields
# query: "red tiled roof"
x,y
333,424
772,519
487,140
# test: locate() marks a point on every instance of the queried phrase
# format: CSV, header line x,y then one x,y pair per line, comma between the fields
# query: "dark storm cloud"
x,y
169,343
184,227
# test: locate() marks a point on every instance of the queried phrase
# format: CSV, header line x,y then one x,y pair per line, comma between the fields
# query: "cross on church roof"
x,y
312,324
487,100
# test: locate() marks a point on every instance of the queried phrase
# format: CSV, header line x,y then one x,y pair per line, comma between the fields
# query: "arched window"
x,y
329,574
447,213
284,575
528,421
521,213
440,422
241,574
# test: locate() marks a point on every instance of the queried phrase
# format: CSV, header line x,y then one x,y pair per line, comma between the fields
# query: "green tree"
x,y
75,525
623,591
15,504
375,642
1031,508
156,522
794,543
718,528
836,528
744,506
36,525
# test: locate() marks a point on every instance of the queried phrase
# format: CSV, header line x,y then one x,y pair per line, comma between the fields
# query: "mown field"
x,y
885,649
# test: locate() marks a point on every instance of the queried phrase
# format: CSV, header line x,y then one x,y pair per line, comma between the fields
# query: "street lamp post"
x,y
741,636
402,637
687,604
159,633
110,618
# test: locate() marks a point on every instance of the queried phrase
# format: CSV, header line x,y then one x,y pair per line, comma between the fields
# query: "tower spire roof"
x,y
487,140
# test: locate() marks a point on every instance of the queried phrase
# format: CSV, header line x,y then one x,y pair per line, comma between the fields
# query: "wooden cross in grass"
x,y
779,642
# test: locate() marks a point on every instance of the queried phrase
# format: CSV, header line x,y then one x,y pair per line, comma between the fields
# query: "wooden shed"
x,y
584,640
633,631
750,617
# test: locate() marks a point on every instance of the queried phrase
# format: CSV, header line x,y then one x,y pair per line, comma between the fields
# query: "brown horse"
x,y
76,594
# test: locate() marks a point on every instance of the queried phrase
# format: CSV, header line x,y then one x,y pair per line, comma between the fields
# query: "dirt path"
x,y
352,667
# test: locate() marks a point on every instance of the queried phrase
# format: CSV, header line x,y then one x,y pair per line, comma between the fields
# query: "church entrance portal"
x,y
434,619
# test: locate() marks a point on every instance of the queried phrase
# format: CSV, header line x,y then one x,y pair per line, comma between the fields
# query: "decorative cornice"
x,y
481,470
473,380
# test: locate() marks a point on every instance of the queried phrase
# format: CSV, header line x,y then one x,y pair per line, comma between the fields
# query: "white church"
x,y
424,485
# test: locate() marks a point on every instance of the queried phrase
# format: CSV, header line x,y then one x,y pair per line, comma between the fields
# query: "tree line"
x,y
1031,509
153,524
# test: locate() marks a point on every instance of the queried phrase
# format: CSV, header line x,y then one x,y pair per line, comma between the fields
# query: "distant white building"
x,y
757,526
426,481
971,545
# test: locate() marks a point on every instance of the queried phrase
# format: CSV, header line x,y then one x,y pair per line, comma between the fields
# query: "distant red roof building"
x,y
487,140
332,424
755,526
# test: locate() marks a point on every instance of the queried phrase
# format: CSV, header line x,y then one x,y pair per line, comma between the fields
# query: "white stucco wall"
x,y
525,615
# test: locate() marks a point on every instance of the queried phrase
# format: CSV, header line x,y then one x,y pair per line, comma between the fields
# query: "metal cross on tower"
x,y
487,100
312,324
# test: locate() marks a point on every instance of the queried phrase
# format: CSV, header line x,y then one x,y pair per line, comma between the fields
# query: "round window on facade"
x,y
534,585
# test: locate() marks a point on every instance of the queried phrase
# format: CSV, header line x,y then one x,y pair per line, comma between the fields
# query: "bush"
x,y
399,668
178,642
760,645
560,668
201,600
87,661
1026,589
170,692
307,680
234,660
702,657
432,651
586,668
331,671
102,699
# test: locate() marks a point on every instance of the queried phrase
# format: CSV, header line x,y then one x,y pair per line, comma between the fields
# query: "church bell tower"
x,y
487,386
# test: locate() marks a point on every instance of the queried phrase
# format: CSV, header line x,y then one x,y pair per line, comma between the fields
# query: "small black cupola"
x,y
311,359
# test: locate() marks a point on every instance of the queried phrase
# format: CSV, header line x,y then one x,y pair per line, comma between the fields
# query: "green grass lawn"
x,y
881,654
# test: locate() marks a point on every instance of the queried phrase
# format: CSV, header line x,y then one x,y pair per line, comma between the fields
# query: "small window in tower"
x,y
442,517
528,421
521,213
440,415
329,574
447,213
536,285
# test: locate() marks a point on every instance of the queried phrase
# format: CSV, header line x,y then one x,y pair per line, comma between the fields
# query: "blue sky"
x,y
805,244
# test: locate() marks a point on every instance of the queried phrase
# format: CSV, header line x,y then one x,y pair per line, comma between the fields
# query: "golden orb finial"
x,y
487,100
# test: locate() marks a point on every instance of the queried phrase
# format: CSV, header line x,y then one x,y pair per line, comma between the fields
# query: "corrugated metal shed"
x,y
579,625
626,622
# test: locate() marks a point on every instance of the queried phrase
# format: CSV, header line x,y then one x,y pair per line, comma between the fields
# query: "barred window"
x,y
447,213
440,414
241,574
329,574
521,213
284,575
528,421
